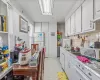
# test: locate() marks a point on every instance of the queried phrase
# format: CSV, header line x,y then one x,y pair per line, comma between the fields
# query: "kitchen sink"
x,y
76,53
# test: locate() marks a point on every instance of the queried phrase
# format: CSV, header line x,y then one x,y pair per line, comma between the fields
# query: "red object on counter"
x,y
25,50
83,59
35,46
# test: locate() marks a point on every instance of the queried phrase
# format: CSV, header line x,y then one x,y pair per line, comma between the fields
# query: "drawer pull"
x,y
98,11
82,68
89,74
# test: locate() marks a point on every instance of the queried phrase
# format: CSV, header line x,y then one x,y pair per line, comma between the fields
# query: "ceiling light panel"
x,y
46,7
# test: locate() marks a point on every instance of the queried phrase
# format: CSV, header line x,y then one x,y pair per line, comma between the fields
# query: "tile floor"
x,y
51,67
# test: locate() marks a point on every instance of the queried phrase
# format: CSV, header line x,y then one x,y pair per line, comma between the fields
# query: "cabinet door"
x,y
60,56
87,15
62,61
78,20
73,24
68,27
72,72
97,8
66,63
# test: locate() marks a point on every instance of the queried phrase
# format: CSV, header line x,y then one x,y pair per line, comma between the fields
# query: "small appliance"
x,y
24,56
67,44
91,52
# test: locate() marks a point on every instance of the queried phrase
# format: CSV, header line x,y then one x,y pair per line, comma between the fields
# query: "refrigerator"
x,y
39,38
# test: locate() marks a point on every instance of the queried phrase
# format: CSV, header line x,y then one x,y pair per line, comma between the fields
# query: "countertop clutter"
x,y
74,67
31,70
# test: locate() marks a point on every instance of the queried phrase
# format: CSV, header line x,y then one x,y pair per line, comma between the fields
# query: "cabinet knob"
x,y
98,11
89,74
83,68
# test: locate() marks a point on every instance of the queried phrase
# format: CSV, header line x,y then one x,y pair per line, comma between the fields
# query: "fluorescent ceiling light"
x,y
46,6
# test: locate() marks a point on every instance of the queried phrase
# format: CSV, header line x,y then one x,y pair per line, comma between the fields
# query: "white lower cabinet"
x,y
72,72
63,61
80,75
62,58
70,68
66,64
73,68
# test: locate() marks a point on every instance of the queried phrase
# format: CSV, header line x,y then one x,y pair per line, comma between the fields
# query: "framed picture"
x,y
23,25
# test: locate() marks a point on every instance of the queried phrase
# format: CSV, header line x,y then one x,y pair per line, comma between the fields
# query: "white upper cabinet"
x,y
67,27
72,29
97,8
87,16
78,20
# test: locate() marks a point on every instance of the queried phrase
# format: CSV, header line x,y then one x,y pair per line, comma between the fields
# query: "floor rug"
x,y
62,76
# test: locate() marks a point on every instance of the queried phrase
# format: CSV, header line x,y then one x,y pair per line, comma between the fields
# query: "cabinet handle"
x,y
69,65
98,11
89,74
91,23
83,68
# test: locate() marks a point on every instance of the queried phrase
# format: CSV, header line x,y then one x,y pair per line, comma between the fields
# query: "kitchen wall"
x,y
50,41
13,24
89,37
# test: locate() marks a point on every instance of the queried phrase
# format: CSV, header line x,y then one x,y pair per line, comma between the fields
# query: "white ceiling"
x,y
32,9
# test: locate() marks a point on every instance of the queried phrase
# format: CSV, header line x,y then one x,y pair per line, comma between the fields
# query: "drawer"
x,y
87,72
81,67
91,75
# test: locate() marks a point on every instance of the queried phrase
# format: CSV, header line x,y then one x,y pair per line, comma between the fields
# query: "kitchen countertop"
x,y
87,66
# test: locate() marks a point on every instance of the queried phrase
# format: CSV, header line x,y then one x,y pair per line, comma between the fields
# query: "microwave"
x,y
91,52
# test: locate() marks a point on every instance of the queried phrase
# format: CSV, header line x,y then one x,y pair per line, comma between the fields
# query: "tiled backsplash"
x,y
89,37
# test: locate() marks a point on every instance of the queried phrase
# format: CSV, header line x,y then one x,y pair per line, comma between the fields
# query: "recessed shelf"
x,y
3,32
